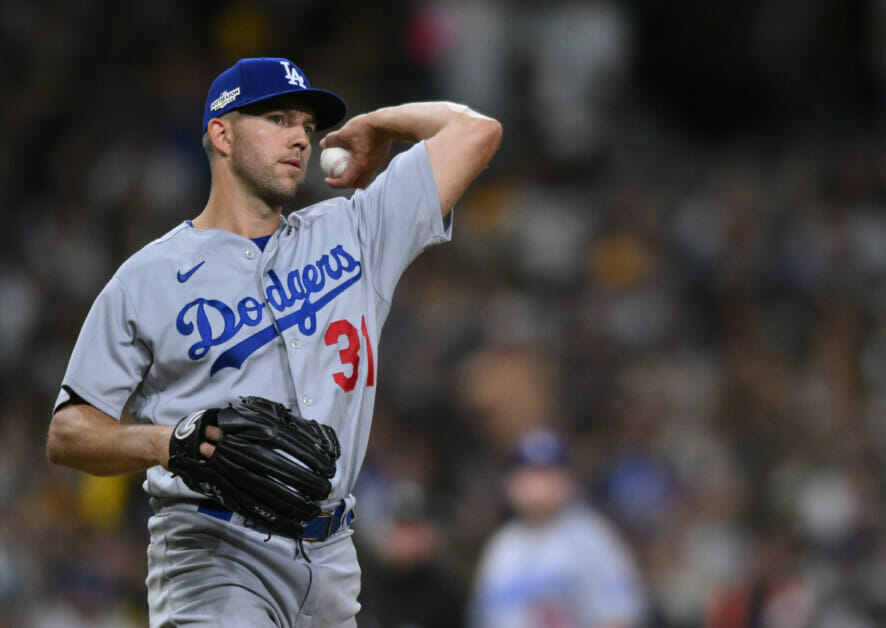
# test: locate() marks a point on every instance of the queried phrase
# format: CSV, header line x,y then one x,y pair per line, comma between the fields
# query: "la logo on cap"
x,y
292,75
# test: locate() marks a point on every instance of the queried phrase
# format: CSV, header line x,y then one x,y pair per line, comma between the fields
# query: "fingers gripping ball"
x,y
271,466
334,160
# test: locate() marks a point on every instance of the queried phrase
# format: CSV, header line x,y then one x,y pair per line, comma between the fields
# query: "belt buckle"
x,y
331,517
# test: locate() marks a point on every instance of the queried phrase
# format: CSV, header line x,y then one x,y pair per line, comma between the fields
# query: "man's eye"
x,y
309,131
276,118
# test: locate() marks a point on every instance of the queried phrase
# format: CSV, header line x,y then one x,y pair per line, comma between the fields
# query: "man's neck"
x,y
244,215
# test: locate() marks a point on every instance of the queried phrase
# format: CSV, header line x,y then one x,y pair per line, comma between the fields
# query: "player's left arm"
x,y
460,143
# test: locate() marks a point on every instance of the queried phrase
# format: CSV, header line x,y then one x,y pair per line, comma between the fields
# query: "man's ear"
x,y
221,134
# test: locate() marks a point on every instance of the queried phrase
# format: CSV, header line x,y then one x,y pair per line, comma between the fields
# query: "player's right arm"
x,y
85,438
108,362
460,143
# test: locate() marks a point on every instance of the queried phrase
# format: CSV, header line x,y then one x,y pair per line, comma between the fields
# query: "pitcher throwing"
x,y
243,311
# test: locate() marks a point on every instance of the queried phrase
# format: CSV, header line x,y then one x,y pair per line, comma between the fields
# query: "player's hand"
x,y
207,448
369,148
213,434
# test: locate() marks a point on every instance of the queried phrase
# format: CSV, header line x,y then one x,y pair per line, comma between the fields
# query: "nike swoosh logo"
x,y
183,277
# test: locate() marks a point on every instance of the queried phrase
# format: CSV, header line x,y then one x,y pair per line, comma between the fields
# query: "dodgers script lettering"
x,y
216,322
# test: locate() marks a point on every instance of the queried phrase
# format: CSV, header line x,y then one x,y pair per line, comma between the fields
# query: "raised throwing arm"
x,y
460,143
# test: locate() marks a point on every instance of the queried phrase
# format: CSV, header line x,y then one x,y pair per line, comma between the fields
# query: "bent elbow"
x,y
488,133
495,131
60,436
53,442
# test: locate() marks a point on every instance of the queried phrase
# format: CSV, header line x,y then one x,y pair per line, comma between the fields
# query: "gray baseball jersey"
x,y
571,570
199,317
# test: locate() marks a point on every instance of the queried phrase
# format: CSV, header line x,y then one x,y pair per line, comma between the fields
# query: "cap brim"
x,y
329,109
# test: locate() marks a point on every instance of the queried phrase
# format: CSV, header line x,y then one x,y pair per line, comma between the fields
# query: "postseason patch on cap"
x,y
225,99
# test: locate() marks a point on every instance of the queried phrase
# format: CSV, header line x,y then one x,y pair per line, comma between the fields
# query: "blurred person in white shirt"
x,y
557,563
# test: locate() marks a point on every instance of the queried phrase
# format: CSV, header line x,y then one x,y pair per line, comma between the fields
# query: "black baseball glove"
x,y
271,466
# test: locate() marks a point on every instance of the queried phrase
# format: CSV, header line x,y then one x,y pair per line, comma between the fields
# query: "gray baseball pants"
x,y
203,571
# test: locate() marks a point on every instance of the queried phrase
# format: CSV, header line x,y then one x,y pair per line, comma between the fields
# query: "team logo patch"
x,y
292,75
225,99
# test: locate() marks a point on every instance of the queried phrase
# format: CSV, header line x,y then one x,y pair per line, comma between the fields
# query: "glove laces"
x,y
299,546
300,549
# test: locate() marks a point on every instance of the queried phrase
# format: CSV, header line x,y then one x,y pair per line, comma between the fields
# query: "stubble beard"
x,y
259,178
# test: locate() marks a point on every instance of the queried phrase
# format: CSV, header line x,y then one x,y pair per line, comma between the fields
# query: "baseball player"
x,y
557,563
243,301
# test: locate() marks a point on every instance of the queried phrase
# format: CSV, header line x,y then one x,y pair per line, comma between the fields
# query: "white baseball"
x,y
334,160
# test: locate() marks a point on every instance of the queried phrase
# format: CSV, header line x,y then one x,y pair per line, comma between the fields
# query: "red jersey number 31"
x,y
350,355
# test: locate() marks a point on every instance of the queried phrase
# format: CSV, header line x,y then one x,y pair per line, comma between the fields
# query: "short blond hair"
x,y
208,148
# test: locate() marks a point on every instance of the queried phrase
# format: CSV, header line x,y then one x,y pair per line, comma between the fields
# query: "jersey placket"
x,y
266,261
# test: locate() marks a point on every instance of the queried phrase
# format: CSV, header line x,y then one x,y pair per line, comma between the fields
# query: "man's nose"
x,y
298,137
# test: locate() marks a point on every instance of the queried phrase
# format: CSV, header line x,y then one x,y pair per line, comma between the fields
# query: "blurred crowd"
x,y
676,260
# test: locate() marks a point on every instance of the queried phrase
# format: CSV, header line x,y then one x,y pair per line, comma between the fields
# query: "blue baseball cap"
x,y
253,80
540,447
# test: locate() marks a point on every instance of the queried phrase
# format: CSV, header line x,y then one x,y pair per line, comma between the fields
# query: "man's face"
x,y
272,146
538,492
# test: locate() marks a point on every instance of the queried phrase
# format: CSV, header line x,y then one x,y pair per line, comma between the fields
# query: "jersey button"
x,y
307,401
250,253
296,344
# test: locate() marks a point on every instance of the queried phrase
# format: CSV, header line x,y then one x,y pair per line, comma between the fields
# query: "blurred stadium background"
x,y
678,257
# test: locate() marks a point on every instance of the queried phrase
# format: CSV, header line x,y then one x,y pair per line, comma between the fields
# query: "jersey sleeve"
x,y
399,216
109,359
